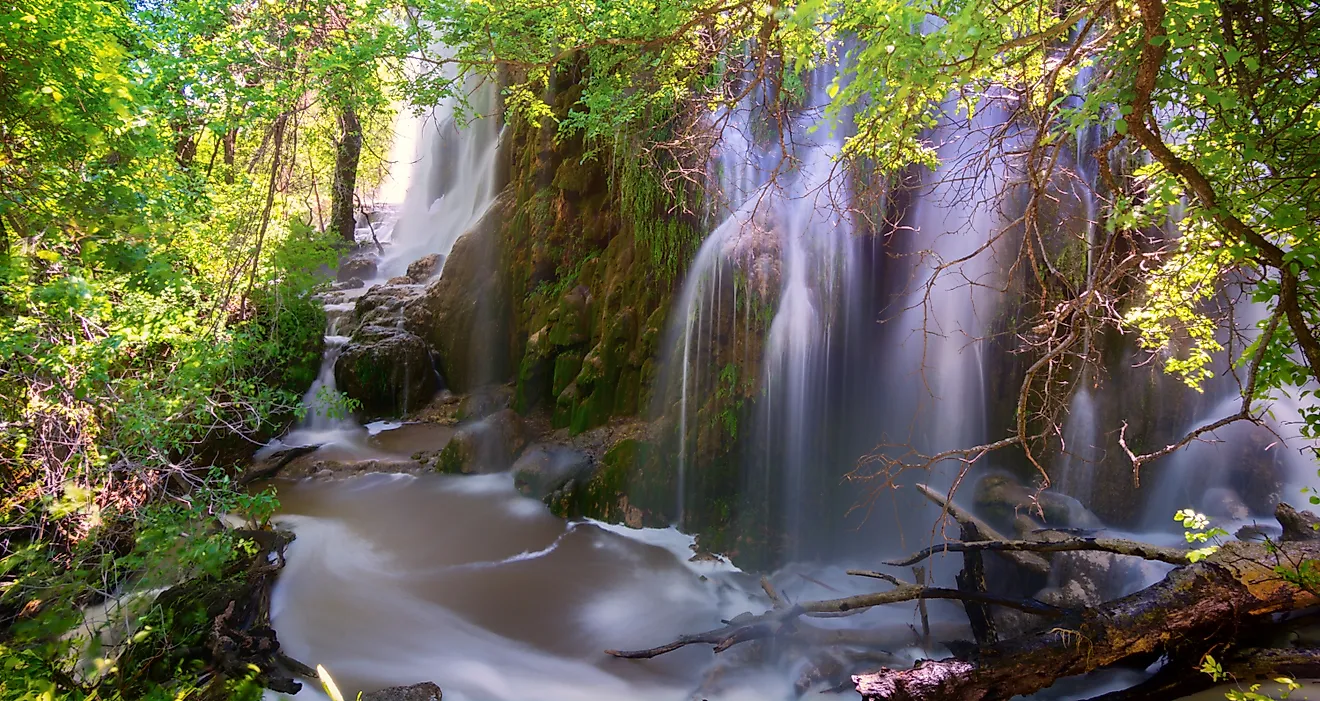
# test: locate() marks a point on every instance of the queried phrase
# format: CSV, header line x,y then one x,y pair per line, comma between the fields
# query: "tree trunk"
x,y
230,144
1205,602
346,164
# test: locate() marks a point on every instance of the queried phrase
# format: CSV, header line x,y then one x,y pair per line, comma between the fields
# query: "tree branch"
x,y
1118,546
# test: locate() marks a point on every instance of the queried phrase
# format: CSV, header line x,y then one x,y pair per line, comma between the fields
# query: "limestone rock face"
x,y
425,691
387,369
463,314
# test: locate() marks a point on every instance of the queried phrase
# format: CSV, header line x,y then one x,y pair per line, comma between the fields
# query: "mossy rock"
x,y
567,367
533,384
566,403
630,486
570,323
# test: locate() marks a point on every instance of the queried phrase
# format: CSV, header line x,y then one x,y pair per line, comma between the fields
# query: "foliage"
x,y
1197,530
165,168
1212,101
1213,668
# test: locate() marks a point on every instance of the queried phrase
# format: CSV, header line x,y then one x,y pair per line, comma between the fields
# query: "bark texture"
x,y
346,165
1213,599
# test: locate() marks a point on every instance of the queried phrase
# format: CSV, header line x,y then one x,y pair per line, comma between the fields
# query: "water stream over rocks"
x,y
799,340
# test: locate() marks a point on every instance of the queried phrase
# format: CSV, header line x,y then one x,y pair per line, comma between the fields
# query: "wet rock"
x,y
387,369
360,264
425,268
1224,503
384,305
1000,498
1297,525
484,401
630,485
425,691
1259,532
349,284
487,445
544,469
463,314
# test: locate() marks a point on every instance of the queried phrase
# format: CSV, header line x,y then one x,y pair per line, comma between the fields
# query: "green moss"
x,y
631,486
567,367
451,460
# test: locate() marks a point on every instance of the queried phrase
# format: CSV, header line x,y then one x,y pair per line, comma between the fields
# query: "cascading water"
x,y
786,247
1237,473
800,340
453,180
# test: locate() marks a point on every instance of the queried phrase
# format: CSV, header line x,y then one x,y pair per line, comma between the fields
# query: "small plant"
x,y
1197,529
1215,669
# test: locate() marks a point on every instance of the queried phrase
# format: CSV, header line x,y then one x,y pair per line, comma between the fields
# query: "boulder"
x,y
545,469
360,264
387,369
385,304
425,691
484,401
630,485
426,267
464,314
1000,498
486,445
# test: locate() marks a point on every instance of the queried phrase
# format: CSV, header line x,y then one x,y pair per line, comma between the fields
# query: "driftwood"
x,y
1203,603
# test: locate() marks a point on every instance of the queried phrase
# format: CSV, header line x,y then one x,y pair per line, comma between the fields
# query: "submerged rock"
x,y
545,469
387,369
425,691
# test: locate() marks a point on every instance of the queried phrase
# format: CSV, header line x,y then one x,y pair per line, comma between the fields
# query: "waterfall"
x,y
453,180
448,184
758,307
1235,474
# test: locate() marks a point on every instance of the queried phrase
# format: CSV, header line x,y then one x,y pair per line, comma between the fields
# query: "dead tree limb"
x,y
1029,561
1117,546
1237,586
972,580
752,627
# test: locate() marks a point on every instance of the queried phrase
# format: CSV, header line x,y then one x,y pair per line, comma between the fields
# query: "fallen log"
x,y
1241,666
275,462
1211,600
